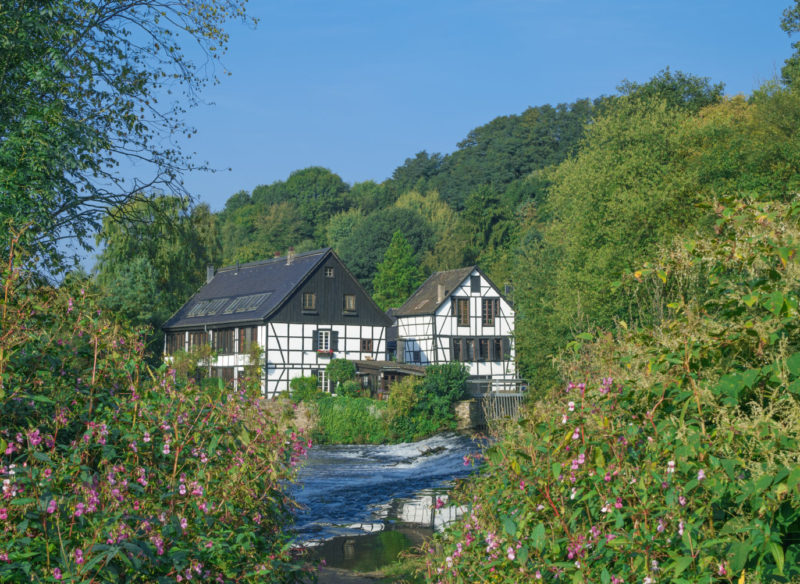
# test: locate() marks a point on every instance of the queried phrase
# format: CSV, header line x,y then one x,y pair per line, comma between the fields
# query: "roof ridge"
x,y
258,263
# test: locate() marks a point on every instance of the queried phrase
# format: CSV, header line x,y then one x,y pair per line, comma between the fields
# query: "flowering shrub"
x,y
112,472
681,464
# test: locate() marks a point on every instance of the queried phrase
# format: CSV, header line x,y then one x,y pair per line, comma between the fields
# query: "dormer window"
x,y
349,302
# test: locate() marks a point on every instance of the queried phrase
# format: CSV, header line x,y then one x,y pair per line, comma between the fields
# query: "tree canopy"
x,y
86,88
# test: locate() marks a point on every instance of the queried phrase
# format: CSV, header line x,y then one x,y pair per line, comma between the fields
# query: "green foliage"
x,y
441,387
365,247
351,388
154,257
398,274
675,457
350,420
305,389
340,370
115,471
81,90
509,148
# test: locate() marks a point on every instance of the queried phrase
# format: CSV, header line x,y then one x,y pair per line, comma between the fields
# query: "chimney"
x,y
290,256
209,273
440,293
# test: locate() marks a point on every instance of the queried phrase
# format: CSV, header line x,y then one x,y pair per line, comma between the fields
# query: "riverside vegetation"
x,y
415,409
115,472
673,455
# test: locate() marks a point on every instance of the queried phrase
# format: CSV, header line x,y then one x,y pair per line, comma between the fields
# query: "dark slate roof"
x,y
424,300
247,292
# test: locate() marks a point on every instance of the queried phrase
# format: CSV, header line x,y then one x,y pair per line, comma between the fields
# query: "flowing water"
x,y
361,504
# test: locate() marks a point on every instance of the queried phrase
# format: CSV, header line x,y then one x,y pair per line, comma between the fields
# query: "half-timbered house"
x,y
301,309
459,315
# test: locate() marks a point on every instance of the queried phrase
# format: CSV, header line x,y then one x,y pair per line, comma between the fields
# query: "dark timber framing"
x,y
276,294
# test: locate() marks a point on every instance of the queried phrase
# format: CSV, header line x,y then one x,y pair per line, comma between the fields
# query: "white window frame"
x,y
323,340
323,381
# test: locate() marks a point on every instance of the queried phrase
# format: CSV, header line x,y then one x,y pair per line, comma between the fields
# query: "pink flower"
x,y
439,503
3,513
701,474
78,556
522,485
510,553
52,506
56,571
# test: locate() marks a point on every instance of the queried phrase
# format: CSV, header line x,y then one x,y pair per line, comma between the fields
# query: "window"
x,y
223,341
323,339
246,303
175,343
469,353
248,336
198,339
309,301
417,356
490,307
461,311
483,350
497,349
475,284
349,302
329,271
457,350
322,380
366,345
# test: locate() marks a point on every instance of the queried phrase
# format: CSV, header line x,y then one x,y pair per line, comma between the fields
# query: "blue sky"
x,y
358,86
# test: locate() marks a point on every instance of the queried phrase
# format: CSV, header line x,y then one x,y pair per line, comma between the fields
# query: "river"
x,y
361,504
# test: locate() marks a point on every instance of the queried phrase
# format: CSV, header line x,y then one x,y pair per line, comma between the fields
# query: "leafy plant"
x,y
305,389
673,455
112,471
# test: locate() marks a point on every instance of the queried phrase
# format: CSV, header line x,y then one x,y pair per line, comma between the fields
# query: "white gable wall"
x,y
433,335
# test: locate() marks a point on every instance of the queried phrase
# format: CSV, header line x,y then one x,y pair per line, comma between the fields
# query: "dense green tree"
x,y
511,147
415,172
341,226
83,86
154,257
398,275
370,196
678,90
367,244
608,207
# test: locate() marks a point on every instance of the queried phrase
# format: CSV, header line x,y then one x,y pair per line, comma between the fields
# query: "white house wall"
x,y
432,335
289,351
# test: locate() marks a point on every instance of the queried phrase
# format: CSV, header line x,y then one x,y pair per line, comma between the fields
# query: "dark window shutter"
x,y
475,284
334,340
453,303
314,340
506,348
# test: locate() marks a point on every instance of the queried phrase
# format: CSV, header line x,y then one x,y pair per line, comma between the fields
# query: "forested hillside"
x,y
557,201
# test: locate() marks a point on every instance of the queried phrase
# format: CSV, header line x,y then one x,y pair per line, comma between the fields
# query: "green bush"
x,y
441,387
350,420
305,389
675,457
115,472
339,371
349,388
